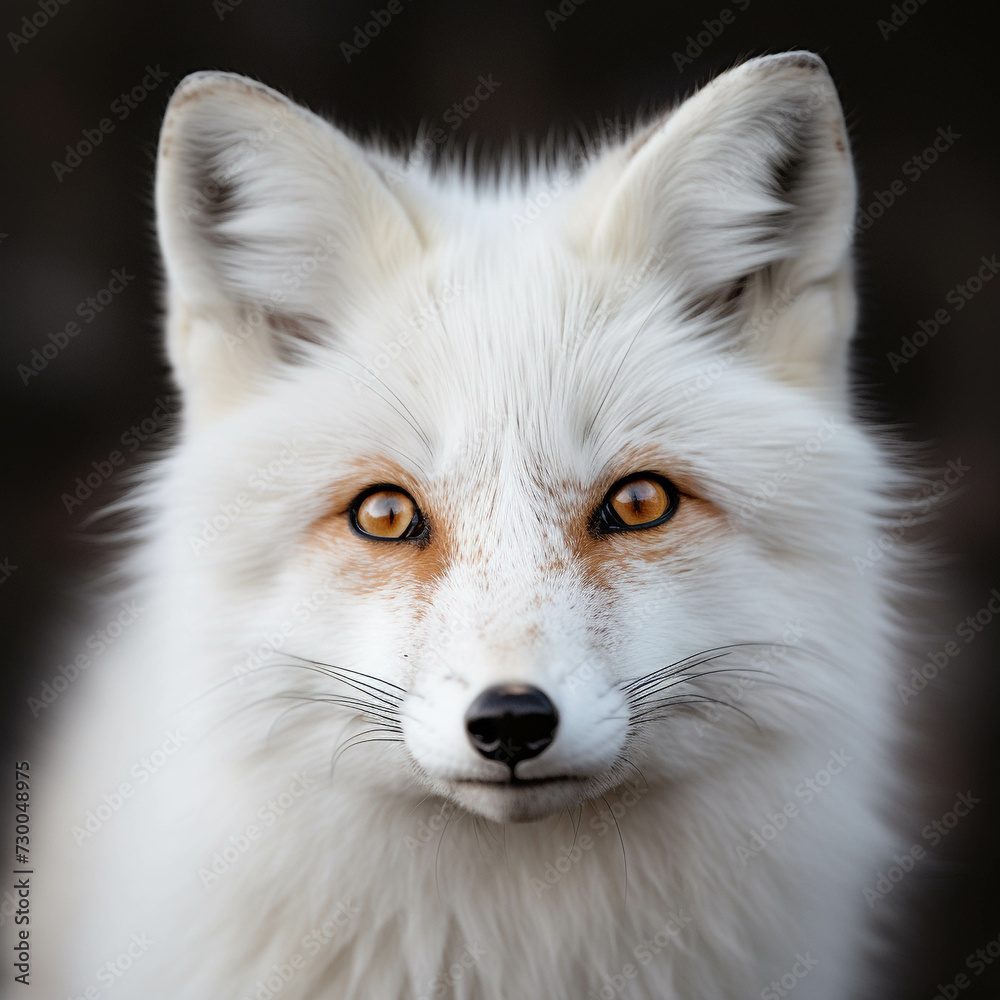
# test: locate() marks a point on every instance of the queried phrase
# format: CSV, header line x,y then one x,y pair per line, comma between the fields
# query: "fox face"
x,y
512,492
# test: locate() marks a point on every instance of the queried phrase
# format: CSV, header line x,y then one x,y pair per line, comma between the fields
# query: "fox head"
x,y
516,488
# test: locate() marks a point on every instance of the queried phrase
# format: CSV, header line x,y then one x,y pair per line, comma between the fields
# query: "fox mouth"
x,y
515,782
521,800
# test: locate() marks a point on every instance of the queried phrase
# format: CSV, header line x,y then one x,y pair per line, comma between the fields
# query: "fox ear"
x,y
272,223
745,196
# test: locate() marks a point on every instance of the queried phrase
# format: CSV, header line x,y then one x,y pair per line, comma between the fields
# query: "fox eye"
x,y
643,500
389,513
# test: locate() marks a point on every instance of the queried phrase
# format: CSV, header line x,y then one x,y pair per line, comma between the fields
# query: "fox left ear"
x,y
272,224
745,196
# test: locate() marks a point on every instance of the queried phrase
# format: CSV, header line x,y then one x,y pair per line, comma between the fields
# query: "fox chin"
x,y
508,622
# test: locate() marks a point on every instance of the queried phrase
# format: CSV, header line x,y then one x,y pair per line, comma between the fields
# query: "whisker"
x,y
656,714
637,771
686,661
370,712
575,823
326,671
291,708
621,840
373,712
682,678
686,698
419,804
552,829
675,677
347,670
437,856
488,828
767,678
475,830
405,413
353,741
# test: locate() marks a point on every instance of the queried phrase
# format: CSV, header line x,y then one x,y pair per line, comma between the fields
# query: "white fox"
x,y
502,628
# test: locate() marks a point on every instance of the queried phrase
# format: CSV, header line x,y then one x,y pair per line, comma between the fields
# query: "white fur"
x,y
512,361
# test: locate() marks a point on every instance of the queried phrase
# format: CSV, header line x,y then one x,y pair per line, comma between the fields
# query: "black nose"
x,y
511,723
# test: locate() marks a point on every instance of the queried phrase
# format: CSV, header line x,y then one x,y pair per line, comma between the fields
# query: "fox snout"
x,y
511,722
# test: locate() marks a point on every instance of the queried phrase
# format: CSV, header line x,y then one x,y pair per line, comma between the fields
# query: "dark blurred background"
x,y
910,75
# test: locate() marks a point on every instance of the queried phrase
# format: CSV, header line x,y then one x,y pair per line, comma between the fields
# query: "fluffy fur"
x,y
680,302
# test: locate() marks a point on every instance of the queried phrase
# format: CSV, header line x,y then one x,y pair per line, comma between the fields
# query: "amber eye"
x,y
640,501
389,513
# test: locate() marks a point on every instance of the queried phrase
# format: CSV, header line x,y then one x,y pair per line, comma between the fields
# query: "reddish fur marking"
x,y
366,565
606,560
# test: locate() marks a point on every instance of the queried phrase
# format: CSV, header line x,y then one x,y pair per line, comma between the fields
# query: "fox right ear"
x,y
745,195
272,223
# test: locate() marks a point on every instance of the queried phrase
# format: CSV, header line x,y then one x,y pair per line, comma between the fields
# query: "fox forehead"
x,y
540,370
533,351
